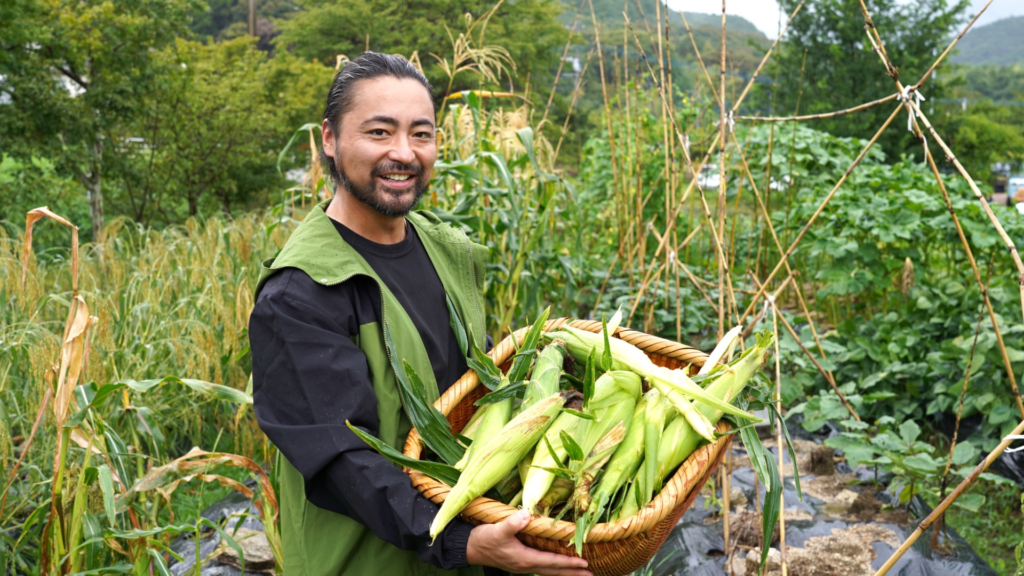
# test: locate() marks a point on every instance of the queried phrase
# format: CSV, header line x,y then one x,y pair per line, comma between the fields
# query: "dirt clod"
x,y
821,463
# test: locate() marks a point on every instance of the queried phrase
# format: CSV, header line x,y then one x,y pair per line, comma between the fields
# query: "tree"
x,y
528,29
841,69
210,135
76,75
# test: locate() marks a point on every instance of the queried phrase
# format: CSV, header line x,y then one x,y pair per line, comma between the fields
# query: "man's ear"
x,y
327,139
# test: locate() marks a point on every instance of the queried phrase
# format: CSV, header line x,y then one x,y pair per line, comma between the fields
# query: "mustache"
x,y
387,167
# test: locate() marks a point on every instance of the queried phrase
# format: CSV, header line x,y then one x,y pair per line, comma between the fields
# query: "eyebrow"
x,y
380,118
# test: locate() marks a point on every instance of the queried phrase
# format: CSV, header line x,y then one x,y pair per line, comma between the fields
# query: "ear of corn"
x,y
627,457
538,479
679,440
675,385
559,492
469,430
496,459
723,350
495,416
615,397
546,372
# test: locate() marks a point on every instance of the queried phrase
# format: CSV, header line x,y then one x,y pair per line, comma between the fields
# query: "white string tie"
x,y
1014,437
732,122
908,95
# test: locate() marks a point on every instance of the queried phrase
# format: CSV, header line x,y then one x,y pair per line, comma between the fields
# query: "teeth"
x,y
397,177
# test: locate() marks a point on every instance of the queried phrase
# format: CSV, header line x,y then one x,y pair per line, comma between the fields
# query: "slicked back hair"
x,y
341,97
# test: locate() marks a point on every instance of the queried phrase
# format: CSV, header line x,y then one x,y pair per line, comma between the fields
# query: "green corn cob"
x,y
495,460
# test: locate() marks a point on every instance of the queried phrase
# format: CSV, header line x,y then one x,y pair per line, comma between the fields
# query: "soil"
x,y
843,553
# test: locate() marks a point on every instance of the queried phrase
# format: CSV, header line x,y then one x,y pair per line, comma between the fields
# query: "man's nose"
x,y
401,151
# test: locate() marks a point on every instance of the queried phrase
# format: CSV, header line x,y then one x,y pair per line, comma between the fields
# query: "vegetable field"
x,y
875,295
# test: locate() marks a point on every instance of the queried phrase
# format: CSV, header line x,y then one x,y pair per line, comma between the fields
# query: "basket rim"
x,y
673,493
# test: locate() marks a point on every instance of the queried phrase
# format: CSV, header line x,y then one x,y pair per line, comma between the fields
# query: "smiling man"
x,y
365,282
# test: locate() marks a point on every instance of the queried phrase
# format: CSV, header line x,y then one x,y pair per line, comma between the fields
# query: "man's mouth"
x,y
398,180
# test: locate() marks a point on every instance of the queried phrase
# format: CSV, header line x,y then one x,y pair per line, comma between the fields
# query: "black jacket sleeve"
x,y
308,379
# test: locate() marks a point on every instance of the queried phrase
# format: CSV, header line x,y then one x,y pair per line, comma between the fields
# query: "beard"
x,y
384,200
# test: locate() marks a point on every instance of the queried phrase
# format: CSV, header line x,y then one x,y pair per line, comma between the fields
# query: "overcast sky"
x,y
765,13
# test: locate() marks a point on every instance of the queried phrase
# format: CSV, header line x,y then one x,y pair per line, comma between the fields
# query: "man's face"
x,y
385,146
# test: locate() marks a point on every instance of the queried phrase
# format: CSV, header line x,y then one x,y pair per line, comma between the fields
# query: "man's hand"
x,y
496,545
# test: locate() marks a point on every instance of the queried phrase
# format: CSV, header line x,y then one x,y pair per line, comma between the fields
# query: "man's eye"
x,y
425,135
379,132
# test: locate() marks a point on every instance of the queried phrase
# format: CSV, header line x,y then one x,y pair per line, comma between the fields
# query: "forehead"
x,y
399,98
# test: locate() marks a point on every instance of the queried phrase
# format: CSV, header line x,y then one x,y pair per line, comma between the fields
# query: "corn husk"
x,y
497,458
673,384
679,439
546,372
496,415
538,480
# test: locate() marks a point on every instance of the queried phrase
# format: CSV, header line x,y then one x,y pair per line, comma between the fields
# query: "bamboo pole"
x,y
561,63
835,114
779,439
817,213
916,114
723,264
941,508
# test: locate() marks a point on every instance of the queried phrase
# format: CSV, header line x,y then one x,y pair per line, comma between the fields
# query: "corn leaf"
x,y
771,509
560,472
521,364
433,427
107,487
119,568
436,470
778,420
225,537
578,414
158,561
571,447
509,391
457,327
551,450
589,377
483,365
606,355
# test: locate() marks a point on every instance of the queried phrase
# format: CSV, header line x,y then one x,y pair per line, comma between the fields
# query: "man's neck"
x,y
365,221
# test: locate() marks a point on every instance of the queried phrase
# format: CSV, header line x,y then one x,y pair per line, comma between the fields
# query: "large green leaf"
x,y
442,472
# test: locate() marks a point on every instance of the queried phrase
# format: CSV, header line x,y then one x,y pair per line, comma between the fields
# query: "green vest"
x,y
316,541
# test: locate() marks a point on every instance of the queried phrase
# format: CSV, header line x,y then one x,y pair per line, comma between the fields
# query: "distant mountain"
x,y
610,12
1000,43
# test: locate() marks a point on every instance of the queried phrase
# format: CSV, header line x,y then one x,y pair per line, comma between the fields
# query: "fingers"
x,y
549,563
563,572
514,523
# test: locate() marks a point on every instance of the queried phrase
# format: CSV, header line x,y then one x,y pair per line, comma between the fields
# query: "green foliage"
x,y
26,183
842,71
992,82
231,106
995,43
76,73
528,29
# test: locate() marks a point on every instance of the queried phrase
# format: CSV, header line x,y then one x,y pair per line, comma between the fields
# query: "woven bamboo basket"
x,y
612,549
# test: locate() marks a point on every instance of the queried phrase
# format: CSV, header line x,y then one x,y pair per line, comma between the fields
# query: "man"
x,y
361,284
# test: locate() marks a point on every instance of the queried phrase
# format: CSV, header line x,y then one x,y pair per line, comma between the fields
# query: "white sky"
x,y
765,13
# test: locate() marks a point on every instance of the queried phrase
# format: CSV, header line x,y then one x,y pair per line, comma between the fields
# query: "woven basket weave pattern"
x,y
612,549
